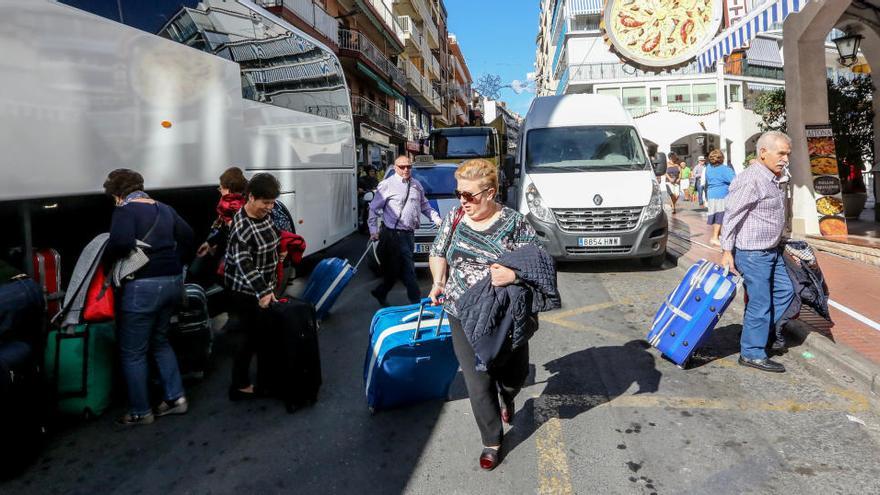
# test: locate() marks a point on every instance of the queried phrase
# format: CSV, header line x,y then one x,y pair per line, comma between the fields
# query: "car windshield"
x,y
462,146
437,180
583,149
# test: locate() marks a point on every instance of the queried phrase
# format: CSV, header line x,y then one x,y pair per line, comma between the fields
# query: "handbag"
x,y
125,268
99,305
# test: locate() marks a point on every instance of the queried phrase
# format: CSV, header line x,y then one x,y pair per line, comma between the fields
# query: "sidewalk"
x,y
853,287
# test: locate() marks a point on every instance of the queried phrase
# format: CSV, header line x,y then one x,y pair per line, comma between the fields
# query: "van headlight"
x,y
536,205
655,205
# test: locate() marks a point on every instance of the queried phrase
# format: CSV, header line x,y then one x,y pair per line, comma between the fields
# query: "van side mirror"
x,y
659,164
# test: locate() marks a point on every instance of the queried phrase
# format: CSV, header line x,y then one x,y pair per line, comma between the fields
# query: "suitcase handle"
x,y
419,315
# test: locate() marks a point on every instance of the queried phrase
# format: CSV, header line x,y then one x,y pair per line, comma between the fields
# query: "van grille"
x,y
598,250
598,219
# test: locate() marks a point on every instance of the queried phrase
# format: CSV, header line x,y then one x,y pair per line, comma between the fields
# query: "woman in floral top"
x,y
471,238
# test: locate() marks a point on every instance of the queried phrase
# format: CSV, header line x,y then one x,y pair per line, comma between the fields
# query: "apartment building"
x,y
459,85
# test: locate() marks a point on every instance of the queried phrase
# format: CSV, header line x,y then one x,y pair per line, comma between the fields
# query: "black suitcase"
x,y
291,353
21,407
191,334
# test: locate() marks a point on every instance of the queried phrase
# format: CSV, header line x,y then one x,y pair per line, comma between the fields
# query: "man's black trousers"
x,y
396,254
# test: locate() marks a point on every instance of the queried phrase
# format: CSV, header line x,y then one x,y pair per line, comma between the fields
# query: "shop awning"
x,y
761,20
379,81
583,7
764,52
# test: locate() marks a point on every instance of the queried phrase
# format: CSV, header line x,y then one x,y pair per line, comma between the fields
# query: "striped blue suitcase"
x,y
327,282
688,315
410,357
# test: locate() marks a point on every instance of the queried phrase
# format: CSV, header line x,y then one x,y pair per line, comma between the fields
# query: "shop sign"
x,y
662,35
826,181
736,10
412,146
370,134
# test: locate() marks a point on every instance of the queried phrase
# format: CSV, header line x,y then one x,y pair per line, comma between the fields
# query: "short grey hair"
x,y
769,139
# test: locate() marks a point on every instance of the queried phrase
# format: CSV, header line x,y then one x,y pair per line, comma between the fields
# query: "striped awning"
x,y
280,47
581,7
758,21
764,52
291,73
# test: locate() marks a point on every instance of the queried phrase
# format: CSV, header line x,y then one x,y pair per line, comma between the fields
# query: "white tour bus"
x,y
587,184
178,90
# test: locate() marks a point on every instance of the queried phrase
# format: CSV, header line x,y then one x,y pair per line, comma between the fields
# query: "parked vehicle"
x,y
178,94
587,185
439,183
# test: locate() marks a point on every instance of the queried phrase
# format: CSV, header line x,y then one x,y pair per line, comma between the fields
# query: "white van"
x,y
587,184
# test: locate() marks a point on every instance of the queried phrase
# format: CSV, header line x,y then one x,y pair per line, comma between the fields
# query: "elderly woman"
x,y
150,295
472,237
718,179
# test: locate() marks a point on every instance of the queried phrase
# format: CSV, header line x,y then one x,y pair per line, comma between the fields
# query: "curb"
x,y
844,357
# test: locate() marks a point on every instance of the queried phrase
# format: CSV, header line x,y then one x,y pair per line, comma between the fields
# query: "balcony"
x,y
420,88
585,73
386,17
377,114
311,14
418,10
744,68
357,42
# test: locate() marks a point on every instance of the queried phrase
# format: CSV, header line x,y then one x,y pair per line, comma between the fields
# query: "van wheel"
x,y
654,261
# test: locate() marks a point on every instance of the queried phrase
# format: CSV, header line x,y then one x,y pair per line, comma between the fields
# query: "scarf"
x,y
133,196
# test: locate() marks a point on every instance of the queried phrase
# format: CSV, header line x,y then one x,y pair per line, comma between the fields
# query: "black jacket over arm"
x,y
491,314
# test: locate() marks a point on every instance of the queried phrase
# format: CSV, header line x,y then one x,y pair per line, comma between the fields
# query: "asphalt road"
x,y
602,413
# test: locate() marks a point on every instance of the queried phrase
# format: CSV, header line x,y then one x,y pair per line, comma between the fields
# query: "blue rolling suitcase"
x,y
327,282
410,357
693,309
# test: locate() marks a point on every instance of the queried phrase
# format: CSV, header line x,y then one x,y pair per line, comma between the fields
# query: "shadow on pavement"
x,y
583,380
723,342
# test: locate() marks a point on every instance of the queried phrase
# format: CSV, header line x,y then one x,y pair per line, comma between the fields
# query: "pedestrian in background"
x,y
673,179
232,187
471,238
250,277
718,179
686,181
401,200
752,243
150,296
699,183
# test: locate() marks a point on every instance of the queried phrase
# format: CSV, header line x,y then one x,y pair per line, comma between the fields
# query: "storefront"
x,y
375,148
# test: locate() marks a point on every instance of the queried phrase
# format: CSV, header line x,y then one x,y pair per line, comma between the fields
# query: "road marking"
x,y
585,309
554,477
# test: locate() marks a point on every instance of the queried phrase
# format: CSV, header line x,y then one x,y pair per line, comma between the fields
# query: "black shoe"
x,y
762,364
507,410
382,301
489,459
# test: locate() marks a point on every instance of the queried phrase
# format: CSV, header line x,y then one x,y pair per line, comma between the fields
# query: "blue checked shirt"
x,y
389,198
754,211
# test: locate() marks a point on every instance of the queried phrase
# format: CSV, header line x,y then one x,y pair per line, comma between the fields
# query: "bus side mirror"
x,y
659,164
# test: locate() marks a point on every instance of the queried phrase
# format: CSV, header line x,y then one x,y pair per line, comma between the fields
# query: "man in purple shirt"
x,y
401,201
754,221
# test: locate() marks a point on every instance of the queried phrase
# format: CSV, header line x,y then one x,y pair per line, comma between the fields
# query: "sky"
x,y
498,37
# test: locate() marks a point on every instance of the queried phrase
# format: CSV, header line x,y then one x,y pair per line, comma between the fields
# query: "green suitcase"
x,y
80,362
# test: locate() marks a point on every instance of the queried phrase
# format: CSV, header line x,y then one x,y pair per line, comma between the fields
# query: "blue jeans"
x,y
770,293
143,316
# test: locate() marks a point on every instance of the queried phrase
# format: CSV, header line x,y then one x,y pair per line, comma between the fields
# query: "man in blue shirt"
x,y
400,200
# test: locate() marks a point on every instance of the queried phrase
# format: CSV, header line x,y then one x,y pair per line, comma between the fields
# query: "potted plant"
x,y
851,113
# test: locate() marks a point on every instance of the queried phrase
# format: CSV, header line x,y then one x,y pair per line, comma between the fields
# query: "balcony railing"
x,y
387,17
582,73
311,14
744,68
375,112
421,86
424,13
358,42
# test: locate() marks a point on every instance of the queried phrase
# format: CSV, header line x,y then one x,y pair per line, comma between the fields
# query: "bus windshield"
x,y
584,149
459,145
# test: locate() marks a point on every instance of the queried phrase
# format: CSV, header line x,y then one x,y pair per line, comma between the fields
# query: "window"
x,y
615,92
678,96
634,99
585,148
585,22
704,98
656,96
462,143
735,93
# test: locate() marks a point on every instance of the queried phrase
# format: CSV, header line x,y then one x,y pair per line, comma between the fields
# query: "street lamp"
x,y
848,48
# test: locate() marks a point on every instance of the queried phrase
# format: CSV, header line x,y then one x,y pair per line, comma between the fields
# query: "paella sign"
x,y
826,182
661,34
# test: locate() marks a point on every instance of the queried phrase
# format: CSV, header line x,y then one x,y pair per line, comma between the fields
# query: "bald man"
x,y
402,201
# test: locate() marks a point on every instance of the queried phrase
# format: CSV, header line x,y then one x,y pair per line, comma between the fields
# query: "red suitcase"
x,y
47,272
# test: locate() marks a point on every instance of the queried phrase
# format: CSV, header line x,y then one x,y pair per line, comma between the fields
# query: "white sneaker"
x,y
180,406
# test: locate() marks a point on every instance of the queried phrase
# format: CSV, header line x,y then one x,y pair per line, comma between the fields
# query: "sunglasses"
x,y
469,197
404,167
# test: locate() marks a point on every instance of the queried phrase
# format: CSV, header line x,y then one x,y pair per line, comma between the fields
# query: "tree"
x,y
851,114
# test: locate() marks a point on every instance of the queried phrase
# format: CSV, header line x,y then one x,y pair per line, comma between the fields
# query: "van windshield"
x,y
584,149
476,144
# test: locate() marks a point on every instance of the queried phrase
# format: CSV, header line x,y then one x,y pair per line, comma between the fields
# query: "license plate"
x,y
423,247
598,241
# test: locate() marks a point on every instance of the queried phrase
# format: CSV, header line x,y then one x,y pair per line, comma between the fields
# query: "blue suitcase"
x,y
410,357
693,309
327,282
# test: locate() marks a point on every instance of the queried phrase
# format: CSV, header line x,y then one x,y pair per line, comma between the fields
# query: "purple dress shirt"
x,y
754,212
389,199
